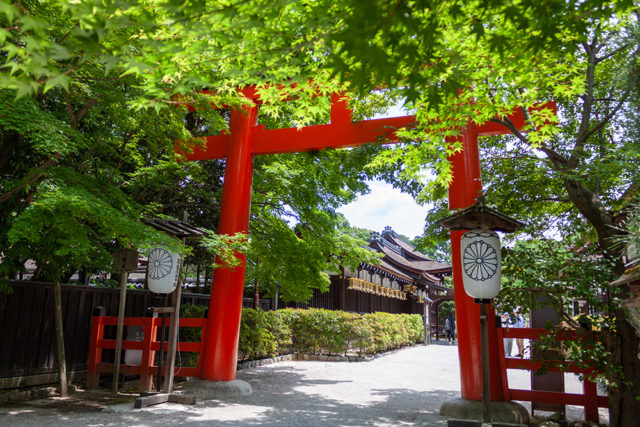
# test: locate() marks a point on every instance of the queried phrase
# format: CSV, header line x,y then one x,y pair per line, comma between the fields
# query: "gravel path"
x,y
401,388
404,388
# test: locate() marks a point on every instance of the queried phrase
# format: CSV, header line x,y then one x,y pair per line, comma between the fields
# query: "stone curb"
x,y
262,362
15,396
313,357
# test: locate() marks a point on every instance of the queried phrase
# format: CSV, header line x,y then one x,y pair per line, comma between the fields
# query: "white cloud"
x,y
386,206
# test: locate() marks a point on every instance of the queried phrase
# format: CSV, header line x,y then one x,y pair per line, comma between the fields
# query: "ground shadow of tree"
x,y
276,400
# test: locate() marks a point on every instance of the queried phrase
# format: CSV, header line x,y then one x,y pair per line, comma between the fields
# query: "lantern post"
x,y
481,262
125,261
163,277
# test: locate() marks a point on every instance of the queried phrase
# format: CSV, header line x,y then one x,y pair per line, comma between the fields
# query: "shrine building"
x,y
405,281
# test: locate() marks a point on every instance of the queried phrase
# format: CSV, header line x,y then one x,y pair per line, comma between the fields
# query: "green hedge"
x,y
271,333
263,334
266,334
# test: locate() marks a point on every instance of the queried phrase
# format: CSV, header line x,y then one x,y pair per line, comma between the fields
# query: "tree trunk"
x,y
256,296
624,407
207,279
593,210
624,344
62,365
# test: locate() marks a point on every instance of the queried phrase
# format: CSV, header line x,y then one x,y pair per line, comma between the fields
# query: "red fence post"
x,y
95,351
149,331
589,398
201,350
591,401
503,364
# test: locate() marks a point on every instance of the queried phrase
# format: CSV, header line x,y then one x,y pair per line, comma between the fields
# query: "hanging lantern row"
x,y
410,288
372,288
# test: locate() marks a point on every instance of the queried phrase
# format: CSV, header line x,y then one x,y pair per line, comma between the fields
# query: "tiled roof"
x,y
407,247
419,267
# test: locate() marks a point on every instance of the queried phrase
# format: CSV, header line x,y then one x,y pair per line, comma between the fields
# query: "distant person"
x,y
450,328
519,322
508,342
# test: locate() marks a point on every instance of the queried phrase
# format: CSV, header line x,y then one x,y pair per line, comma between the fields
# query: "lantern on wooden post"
x,y
480,254
480,247
163,269
163,276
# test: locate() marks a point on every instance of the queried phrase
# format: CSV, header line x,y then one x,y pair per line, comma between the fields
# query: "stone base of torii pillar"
x,y
214,390
464,412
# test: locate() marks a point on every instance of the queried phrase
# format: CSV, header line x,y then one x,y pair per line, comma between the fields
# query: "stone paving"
x,y
404,388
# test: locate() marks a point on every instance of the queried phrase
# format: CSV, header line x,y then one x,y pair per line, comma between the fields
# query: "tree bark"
x,y
593,210
62,365
256,296
624,408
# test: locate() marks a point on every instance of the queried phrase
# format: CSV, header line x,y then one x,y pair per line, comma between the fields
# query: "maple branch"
x,y
584,137
75,118
556,158
32,178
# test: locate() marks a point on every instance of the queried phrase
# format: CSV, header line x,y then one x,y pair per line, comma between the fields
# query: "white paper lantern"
x,y
163,268
480,253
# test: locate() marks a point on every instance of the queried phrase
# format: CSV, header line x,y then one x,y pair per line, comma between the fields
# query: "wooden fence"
x,y
589,397
147,348
27,353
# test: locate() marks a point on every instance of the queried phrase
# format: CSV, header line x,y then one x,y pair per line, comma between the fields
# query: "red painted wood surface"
x,y
589,398
340,133
220,351
148,346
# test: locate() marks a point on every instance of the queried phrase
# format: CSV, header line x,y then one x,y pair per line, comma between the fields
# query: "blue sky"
x,y
383,206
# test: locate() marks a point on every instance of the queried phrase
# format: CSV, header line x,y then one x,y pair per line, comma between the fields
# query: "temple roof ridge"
x,y
406,247
401,254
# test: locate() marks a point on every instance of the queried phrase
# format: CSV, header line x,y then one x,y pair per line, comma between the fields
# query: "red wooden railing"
x,y
589,398
149,345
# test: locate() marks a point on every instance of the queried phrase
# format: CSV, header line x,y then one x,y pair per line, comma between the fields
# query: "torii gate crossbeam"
x,y
246,139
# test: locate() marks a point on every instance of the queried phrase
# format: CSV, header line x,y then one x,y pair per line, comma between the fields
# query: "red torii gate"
x,y
246,139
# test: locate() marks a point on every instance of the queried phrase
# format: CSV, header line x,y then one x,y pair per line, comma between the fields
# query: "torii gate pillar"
x,y
463,191
220,343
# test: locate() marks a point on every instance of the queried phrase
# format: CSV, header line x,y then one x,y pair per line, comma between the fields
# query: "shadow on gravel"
x,y
283,404
276,400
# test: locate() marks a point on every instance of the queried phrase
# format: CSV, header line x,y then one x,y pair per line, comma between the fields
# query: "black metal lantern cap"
x,y
479,216
174,227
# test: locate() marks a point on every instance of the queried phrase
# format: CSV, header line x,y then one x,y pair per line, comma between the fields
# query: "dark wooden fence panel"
x,y
27,339
27,326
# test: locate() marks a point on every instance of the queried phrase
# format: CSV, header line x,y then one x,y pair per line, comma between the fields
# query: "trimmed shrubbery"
x,y
266,334
263,334
271,333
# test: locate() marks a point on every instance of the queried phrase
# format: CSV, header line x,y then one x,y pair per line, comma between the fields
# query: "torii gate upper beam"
x,y
341,132
246,139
